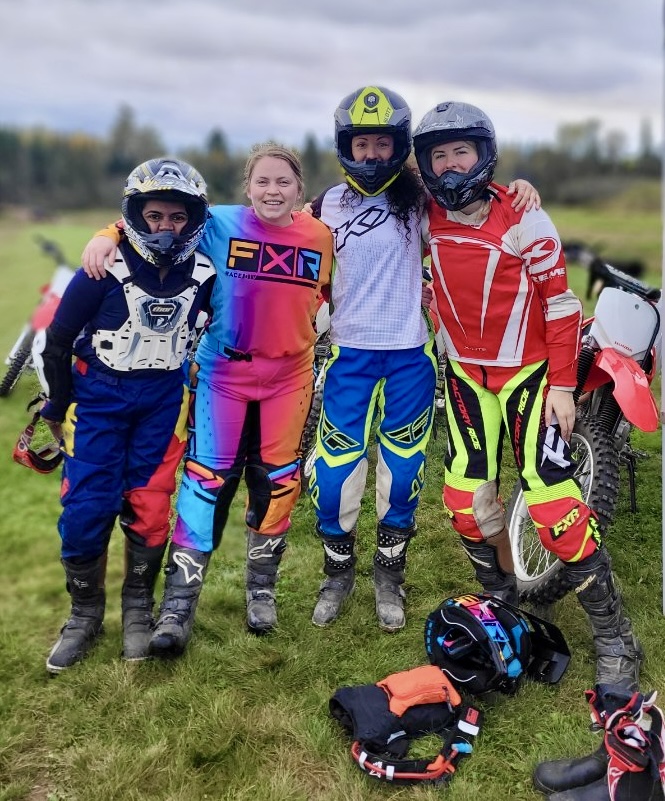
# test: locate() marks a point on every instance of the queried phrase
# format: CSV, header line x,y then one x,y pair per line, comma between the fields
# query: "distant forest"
x,y
47,171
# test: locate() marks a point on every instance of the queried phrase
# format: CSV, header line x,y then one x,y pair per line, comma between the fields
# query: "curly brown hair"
x,y
406,195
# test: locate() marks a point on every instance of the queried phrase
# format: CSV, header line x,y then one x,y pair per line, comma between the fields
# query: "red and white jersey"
x,y
501,288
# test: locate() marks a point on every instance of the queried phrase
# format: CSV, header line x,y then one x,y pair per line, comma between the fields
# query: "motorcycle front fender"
x,y
631,388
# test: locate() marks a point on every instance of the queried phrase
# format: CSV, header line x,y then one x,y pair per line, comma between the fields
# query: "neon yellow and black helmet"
x,y
372,109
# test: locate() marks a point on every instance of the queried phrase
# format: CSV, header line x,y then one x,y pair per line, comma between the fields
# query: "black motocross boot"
x,y
565,774
338,565
185,571
264,553
389,566
142,567
492,561
639,786
85,584
618,651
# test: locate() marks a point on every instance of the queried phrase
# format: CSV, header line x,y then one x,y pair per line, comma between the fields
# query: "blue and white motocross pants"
x,y
397,387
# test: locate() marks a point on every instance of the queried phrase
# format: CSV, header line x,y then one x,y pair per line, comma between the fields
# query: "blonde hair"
x,y
273,150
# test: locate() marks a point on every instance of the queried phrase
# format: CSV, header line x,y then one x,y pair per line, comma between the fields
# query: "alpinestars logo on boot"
x,y
193,570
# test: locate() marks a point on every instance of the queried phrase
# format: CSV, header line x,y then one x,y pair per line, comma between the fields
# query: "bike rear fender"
x,y
631,387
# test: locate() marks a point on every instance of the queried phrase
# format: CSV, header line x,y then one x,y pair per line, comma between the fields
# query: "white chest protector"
x,y
157,334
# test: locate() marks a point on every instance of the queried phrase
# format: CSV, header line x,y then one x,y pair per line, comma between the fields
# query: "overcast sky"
x,y
262,69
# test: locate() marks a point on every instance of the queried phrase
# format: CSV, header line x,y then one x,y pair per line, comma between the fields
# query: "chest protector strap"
x,y
457,744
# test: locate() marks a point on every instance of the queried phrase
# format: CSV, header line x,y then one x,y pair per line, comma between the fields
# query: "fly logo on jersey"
x,y
269,262
539,251
365,222
159,314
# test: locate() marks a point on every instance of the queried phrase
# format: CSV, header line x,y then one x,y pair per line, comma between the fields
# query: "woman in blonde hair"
x,y
253,384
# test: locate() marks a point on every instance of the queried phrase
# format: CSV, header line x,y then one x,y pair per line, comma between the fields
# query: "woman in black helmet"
x,y
511,327
382,363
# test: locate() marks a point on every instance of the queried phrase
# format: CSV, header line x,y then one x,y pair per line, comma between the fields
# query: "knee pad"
x,y
567,527
487,510
351,494
458,505
270,501
399,482
145,517
215,487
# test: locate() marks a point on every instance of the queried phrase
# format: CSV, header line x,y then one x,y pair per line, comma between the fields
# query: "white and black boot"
x,y
338,565
389,567
142,566
185,571
85,584
264,553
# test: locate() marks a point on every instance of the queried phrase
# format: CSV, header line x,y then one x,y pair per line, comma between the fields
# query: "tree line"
x,y
47,171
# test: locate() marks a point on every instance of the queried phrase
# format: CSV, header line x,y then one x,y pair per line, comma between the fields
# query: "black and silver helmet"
x,y
482,644
450,122
372,110
169,180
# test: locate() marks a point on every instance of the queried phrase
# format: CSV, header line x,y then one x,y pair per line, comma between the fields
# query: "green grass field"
x,y
240,717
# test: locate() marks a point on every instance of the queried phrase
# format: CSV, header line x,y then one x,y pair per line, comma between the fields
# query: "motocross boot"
x,y
565,774
640,786
185,571
618,651
264,553
493,563
142,567
338,565
85,584
389,566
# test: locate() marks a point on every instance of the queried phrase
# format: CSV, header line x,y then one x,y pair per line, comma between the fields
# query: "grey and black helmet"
x,y
169,180
372,110
451,122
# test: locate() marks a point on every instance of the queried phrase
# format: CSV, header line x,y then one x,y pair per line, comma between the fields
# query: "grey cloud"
x,y
260,68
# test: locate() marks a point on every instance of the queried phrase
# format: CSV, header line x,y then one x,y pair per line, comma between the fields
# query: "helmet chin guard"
x,y
483,644
44,459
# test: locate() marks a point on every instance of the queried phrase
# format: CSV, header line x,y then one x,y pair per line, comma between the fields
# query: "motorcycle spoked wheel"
x,y
16,366
308,441
540,576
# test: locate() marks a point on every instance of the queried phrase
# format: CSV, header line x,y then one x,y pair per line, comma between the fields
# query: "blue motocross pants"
x,y
397,387
123,439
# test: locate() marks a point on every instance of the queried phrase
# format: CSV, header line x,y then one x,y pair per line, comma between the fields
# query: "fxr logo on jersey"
x,y
270,262
159,314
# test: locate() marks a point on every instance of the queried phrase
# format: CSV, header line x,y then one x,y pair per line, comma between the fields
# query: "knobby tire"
x,y
16,366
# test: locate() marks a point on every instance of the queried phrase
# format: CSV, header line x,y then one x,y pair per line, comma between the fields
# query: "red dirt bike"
x,y
19,359
619,357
